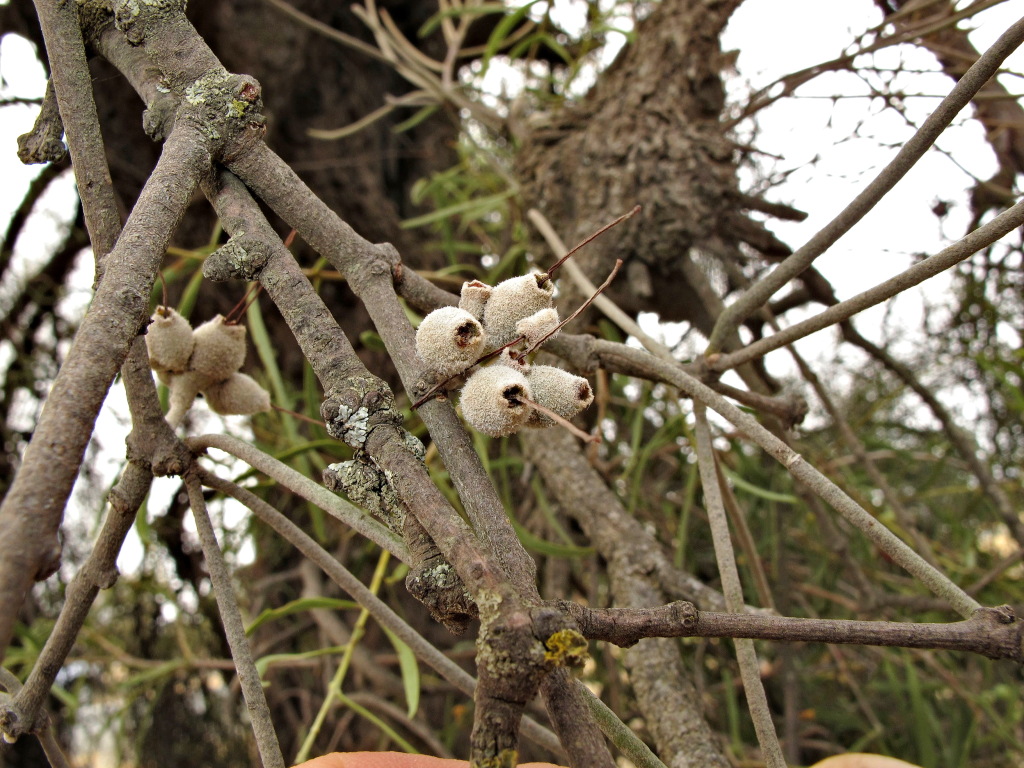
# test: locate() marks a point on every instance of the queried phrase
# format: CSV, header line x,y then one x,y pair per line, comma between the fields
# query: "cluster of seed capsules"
x,y
205,360
501,398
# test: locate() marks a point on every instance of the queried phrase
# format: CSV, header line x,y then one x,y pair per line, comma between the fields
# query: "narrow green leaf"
x,y
299,606
264,662
410,671
755,490
483,204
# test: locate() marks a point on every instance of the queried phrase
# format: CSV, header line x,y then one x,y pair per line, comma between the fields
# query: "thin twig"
x,y
579,310
972,81
995,633
948,257
750,671
603,303
903,555
302,486
554,267
234,629
586,437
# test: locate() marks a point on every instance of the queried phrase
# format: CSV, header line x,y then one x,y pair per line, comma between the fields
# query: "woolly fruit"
x,y
238,395
560,391
511,301
474,297
219,349
183,390
169,340
493,400
450,340
537,326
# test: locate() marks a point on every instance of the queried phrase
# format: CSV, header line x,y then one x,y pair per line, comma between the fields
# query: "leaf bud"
x,y
240,395
169,340
449,340
538,325
564,393
474,296
219,349
511,301
492,400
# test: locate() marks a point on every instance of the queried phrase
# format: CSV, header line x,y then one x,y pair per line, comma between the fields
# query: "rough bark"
x,y
649,134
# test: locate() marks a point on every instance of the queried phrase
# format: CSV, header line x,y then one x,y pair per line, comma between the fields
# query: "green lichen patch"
x,y
507,758
567,647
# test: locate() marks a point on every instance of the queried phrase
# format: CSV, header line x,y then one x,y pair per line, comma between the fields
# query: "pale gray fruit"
x,y
219,349
474,296
239,395
169,340
511,301
493,400
450,340
183,390
538,325
562,392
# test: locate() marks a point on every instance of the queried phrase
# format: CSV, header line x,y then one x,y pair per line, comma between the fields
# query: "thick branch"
x,y
72,84
31,513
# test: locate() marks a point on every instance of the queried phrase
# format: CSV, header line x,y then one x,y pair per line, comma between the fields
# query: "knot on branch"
x,y
435,584
226,109
240,258
155,447
134,18
158,117
43,143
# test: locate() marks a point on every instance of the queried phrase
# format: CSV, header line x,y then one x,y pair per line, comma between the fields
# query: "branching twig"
x,y
980,238
901,554
302,486
961,94
382,613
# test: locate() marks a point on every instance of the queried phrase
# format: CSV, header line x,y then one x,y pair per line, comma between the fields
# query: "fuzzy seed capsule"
x,y
239,395
219,349
538,325
511,301
169,340
183,390
450,340
474,296
564,393
492,400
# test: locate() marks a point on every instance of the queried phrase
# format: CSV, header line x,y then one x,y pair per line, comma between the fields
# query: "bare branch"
x,y
234,629
992,632
750,670
909,154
